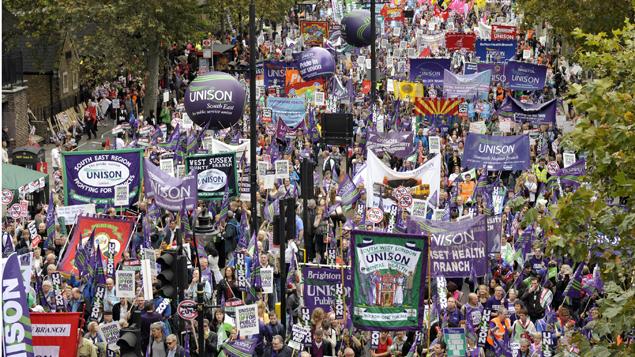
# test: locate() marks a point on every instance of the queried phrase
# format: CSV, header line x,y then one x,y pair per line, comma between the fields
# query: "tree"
x,y
119,34
566,15
597,222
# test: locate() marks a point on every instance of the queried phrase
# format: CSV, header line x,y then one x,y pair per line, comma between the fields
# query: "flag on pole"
x,y
7,244
574,287
50,221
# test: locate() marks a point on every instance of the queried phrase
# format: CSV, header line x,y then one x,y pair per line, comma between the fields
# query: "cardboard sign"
x,y
122,195
435,144
247,320
266,275
319,98
282,169
568,159
125,281
167,166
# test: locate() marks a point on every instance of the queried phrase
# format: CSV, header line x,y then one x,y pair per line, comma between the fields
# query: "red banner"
x,y
456,41
55,333
314,32
436,106
392,13
107,230
503,32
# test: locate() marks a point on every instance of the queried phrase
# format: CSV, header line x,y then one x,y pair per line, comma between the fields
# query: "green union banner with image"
x,y
389,272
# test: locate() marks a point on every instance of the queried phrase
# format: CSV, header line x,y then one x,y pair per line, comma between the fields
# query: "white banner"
x,y
70,213
422,182
247,319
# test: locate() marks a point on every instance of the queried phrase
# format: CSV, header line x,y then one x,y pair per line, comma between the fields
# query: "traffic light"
x,y
129,342
167,276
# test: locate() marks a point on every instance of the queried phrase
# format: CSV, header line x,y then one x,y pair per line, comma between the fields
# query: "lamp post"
x,y
373,56
252,117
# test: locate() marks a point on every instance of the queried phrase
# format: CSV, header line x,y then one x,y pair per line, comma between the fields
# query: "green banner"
x,y
454,338
388,280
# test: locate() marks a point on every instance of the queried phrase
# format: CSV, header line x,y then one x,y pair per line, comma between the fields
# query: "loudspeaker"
x,y
337,128
290,218
306,178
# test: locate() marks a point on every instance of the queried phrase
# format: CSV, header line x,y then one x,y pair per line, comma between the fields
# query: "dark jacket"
x,y
532,303
324,350
286,351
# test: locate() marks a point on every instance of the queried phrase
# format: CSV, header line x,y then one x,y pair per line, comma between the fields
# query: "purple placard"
x,y
91,176
429,70
525,76
170,192
399,144
496,152
457,249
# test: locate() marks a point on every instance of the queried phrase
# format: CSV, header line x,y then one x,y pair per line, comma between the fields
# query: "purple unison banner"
x,y
496,152
275,72
91,176
466,86
17,321
569,176
397,143
428,70
495,51
457,249
544,113
320,284
240,348
498,72
525,76
170,192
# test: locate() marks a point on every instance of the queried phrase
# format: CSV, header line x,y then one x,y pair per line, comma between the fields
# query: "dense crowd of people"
x,y
526,295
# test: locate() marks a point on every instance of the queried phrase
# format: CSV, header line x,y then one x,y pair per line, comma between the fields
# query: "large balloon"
x,y
316,62
217,98
356,28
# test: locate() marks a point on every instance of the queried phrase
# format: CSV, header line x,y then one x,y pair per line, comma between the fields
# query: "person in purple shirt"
x,y
496,301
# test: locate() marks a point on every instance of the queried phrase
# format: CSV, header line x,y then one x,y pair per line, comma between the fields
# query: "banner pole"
x,y
429,296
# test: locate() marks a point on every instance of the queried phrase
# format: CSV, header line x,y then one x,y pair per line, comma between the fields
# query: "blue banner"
x,y
496,152
275,73
525,76
290,110
495,51
428,70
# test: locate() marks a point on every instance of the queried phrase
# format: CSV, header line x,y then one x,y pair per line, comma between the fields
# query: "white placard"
x,y
151,255
268,181
319,99
412,52
167,166
369,63
282,169
568,159
166,96
122,195
146,275
478,127
266,276
396,31
70,213
247,319
418,208
125,281
111,332
390,85
361,60
526,54
46,350
435,145
263,166
180,170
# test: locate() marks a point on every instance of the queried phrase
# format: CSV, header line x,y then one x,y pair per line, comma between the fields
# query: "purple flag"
x,y
16,311
544,113
574,288
240,348
349,192
570,176
225,203
50,221
7,245
169,192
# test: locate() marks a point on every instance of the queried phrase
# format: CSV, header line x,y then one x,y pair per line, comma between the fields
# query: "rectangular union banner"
x,y
291,110
525,76
91,176
214,172
428,70
496,51
397,143
55,334
314,32
320,287
107,230
457,249
496,152
468,86
544,113
389,273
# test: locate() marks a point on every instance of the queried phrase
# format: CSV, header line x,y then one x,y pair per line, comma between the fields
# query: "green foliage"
x,y
566,15
583,224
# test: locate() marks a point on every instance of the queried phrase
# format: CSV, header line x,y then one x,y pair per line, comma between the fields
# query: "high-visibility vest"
x,y
498,330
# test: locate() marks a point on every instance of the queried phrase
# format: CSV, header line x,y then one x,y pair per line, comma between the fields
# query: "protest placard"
x,y
125,284
111,332
167,166
282,169
122,195
266,276
247,319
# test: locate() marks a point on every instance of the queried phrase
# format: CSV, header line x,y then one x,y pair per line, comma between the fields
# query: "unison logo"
x,y
211,94
496,149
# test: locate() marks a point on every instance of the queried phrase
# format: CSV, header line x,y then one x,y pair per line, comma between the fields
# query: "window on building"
x,y
75,79
65,82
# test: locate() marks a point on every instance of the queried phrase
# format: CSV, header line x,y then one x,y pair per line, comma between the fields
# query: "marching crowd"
x,y
527,295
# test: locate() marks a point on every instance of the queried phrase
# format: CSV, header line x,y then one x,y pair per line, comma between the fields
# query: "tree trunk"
x,y
150,100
